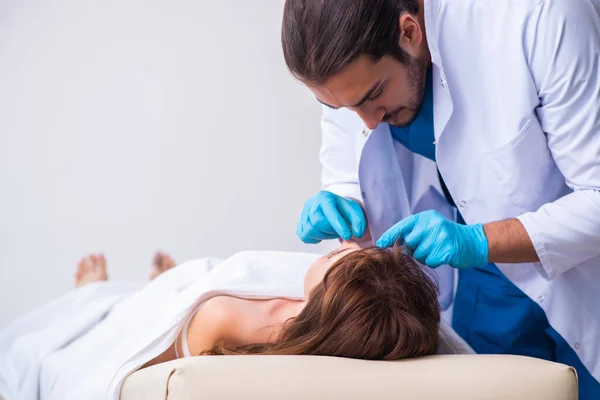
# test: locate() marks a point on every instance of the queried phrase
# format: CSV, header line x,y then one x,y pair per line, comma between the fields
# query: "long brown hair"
x,y
372,304
322,37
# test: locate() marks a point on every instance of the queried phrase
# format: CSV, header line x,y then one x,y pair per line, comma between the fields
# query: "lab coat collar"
x,y
430,12
443,106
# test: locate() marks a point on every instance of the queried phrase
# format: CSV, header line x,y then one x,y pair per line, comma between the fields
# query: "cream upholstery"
x,y
462,377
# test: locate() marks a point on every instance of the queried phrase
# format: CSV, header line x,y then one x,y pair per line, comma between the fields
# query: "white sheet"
x,y
84,344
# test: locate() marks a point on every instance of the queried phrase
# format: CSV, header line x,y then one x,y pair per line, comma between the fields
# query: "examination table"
x,y
462,377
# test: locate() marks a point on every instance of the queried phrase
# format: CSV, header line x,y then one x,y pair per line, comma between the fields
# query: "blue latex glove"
x,y
329,216
437,241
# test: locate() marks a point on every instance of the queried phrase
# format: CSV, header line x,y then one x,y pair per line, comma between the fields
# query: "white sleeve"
x,y
564,57
338,153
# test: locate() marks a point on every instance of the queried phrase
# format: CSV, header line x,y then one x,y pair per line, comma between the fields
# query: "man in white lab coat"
x,y
470,131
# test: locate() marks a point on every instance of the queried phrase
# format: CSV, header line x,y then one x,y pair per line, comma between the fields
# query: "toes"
x,y
93,262
83,269
102,266
87,264
168,262
101,262
157,259
162,265
163,261
80,269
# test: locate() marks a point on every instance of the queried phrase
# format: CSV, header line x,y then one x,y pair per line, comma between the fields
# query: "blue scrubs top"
x,y
492,314
418,137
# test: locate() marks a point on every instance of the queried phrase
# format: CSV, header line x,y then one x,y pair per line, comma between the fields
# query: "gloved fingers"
x,y
434,262
301,222
416,236
352,212
304,228
425,248
397,232
320,227
335,219
308,240
421,252
317,235
300,227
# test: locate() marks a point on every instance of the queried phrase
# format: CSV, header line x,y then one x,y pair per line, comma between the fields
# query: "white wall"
x,y
128,126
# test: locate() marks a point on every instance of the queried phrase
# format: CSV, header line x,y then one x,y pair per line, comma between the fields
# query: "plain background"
x,y
129,126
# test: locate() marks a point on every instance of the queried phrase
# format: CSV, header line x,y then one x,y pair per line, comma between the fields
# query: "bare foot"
x,y
91,269
160,263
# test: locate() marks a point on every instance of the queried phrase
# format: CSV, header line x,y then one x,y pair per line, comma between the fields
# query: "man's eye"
x,y
376,95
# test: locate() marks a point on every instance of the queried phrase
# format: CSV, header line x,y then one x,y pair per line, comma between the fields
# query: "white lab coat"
x,y
517,126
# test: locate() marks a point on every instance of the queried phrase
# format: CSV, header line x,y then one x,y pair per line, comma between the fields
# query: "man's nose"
x,y
371,118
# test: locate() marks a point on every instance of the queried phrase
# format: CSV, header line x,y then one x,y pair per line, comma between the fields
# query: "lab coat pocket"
x,y
522,165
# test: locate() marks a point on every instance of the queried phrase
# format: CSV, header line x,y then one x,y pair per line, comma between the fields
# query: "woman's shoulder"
x,y
217,314
230,320
225,316
215,321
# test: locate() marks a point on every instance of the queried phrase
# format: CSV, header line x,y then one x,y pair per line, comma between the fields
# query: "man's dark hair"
x,y
322,37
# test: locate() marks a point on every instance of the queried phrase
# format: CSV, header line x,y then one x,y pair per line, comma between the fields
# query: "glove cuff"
x,y
481,243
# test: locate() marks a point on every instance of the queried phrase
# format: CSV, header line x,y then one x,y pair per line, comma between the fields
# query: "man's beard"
x,y
416,71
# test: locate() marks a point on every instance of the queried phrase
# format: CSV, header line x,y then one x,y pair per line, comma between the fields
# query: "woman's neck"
x,y
284,309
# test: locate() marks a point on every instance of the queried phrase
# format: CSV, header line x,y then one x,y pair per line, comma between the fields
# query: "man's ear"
x,y
411,34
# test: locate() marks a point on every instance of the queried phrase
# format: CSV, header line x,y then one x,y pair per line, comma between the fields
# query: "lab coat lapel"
x,y
442,103
385,174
